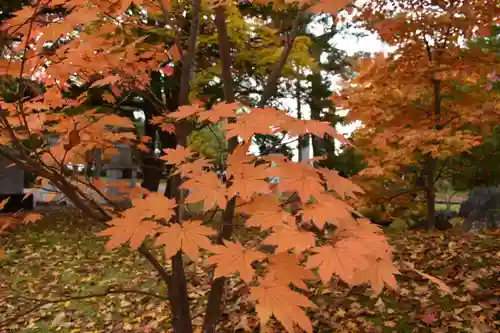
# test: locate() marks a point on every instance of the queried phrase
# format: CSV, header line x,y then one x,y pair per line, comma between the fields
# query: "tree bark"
x,y
179,299
430,165
213,309
430,193
150,165
272,82
303,141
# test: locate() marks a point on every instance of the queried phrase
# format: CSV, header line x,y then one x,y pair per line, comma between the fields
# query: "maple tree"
x,y
98,47
417,104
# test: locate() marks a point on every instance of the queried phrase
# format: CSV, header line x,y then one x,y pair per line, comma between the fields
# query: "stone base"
x,y
16,203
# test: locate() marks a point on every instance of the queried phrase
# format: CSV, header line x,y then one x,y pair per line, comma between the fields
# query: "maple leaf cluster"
x,y
324,235
353,249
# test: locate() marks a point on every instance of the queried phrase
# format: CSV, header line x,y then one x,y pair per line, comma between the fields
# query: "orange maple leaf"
x,y
219,111
275,298
114,120
154,204
265,212
247,180
107,80
186,111
208,188
296,127
378,273
298,177
257,121
125,230
341,259
332,7
188,237
195,168
342,186
288,237
32,217
176,156
4,202
232,258
284,268
174,52
239,157
327,209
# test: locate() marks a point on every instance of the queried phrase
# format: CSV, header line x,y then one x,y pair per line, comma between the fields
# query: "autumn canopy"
x,y
67,53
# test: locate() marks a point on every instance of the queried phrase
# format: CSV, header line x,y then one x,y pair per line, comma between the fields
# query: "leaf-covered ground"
x,y
58,259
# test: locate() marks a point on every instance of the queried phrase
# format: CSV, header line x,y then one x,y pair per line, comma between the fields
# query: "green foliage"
x,y
479,167
271,144
348,162
209,142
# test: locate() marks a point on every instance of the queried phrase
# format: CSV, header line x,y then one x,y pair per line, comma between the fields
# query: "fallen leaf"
x,y
431,278
429,318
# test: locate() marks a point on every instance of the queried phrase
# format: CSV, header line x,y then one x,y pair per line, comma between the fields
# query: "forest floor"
x,y
52,266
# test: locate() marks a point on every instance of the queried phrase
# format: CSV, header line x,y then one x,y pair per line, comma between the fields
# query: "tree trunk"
x,y
178,297
151,166
213,309
430,165
430,192
303,141
179,300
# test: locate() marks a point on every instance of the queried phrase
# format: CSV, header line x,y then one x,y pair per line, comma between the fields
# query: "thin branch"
x,y
43,302
272,81
20,92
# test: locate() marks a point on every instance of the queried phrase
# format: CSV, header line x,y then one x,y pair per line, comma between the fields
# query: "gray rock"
x,y
482,209
11,178
477,197
443,219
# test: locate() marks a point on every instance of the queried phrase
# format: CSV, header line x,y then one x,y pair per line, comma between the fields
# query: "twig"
x,y
42,302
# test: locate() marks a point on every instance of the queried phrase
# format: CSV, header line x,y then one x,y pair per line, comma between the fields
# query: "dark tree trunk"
x,y
430,192
213,309
431,164
151,165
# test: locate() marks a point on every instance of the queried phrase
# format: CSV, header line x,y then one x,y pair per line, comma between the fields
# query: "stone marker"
x,y
121,167
12,187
